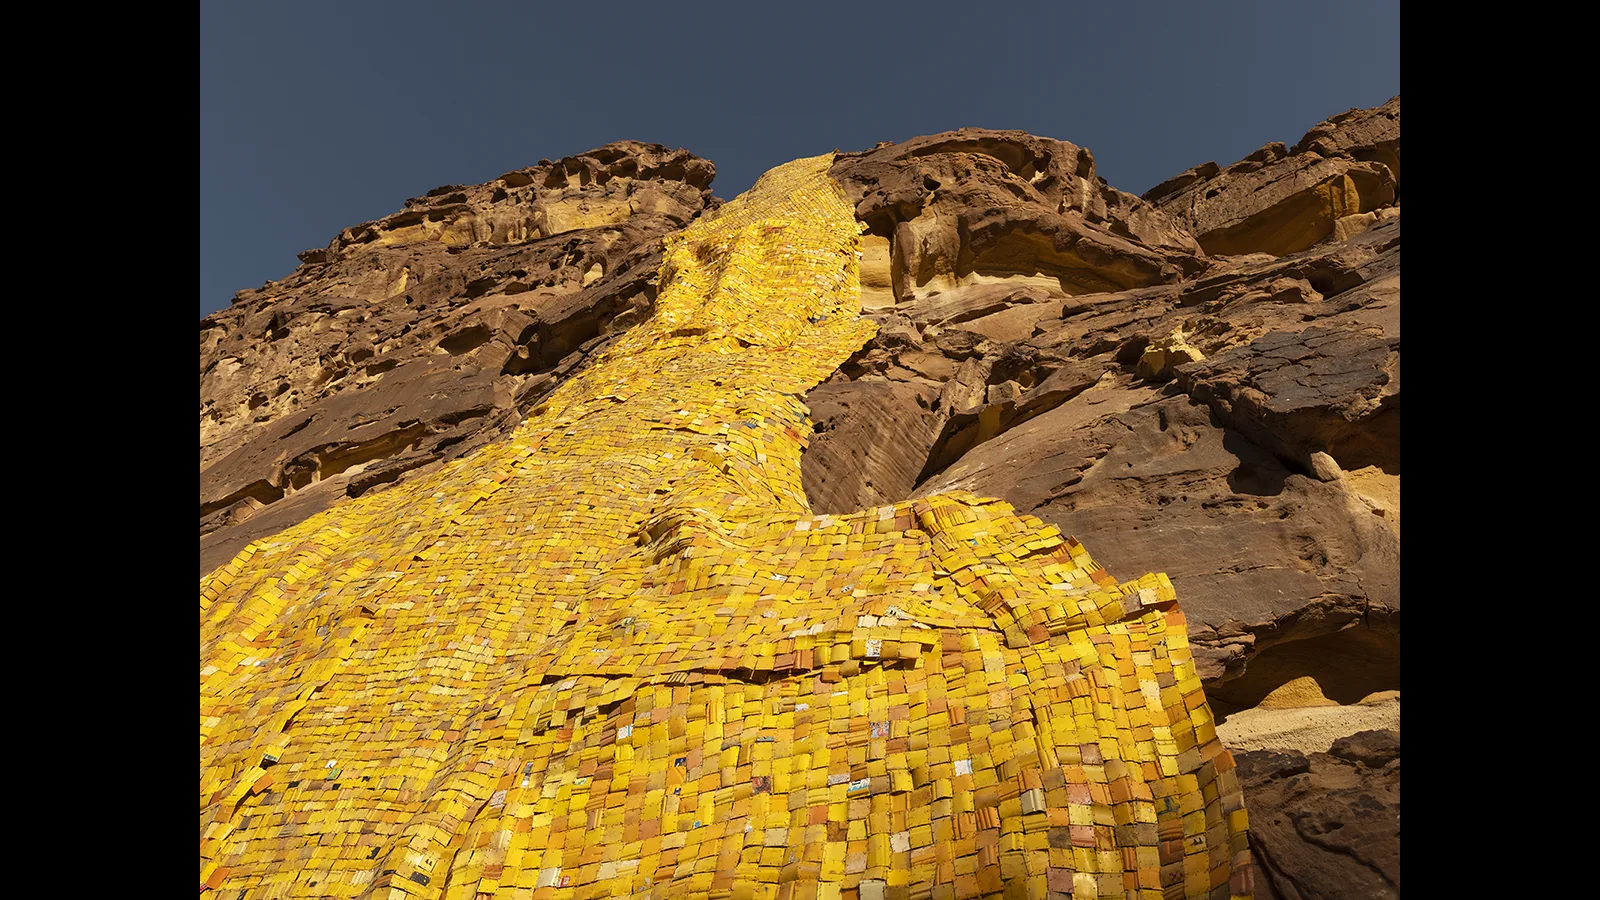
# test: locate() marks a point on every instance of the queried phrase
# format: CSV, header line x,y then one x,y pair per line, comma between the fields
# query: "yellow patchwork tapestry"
x,y
616,655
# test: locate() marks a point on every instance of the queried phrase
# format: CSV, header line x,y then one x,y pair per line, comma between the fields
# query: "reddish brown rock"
x,y
1370,135
872,440
1300,393
979,236
1271,202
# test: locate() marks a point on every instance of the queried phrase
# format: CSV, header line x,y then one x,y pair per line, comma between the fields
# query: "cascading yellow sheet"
x,y
617,656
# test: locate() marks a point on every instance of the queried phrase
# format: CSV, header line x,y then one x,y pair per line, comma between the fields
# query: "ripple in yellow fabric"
x,y
617,656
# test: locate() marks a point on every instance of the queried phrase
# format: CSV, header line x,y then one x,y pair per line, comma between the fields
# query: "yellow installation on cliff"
x,y
617,656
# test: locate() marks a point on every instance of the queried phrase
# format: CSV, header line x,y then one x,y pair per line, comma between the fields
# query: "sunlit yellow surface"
x,y
616,655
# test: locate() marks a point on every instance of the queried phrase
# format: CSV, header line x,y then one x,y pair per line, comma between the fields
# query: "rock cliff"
x,y
1203,381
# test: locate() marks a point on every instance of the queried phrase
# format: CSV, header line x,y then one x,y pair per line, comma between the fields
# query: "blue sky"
x,y
317,116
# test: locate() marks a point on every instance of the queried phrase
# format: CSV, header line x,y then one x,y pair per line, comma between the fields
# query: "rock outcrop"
x,y
1237,427
950,213
1281,200
424,335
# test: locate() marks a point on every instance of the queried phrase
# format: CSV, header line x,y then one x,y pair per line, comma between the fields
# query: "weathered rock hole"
x,y
477,287
1257,479
262,492
1377,443
1360,659
466,340
336,460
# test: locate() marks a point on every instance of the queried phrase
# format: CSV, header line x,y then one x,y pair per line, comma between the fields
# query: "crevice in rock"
x,y
335,459
467,339
1359,659
263,491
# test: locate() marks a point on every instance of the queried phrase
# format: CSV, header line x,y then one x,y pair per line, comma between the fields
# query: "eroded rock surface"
x,y
427,333
1262,477
967,208
1326,826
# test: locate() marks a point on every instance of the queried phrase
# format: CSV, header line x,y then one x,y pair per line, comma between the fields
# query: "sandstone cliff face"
x,y
1204,381
427,333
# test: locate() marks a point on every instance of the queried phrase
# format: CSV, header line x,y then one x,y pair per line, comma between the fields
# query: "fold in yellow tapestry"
x,y
616,655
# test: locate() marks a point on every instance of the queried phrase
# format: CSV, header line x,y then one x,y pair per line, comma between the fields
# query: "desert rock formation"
x,y
1203,381
1282,200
